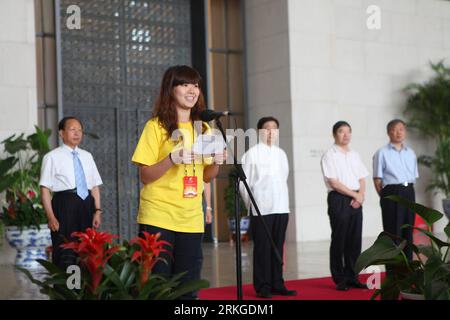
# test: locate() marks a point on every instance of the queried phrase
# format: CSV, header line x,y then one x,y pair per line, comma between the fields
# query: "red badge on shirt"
x,y
190,187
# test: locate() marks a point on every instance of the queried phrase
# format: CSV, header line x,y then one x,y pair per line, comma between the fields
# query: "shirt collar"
x,y
265,145
336,148
391,146
69,149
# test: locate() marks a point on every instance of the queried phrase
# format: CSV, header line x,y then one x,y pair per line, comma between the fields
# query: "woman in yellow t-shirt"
x,y
171,199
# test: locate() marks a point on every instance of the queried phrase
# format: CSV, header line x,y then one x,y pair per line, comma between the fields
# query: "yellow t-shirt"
x,y
161,202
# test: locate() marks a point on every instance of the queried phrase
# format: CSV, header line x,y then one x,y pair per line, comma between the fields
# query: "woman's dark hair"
x,y
62,123
339,124
263,120
165,108
393,123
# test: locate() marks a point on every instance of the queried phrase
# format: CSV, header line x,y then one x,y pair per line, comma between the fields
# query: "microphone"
x,y
209,115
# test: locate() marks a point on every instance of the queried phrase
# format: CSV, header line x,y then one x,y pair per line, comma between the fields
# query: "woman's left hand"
x,y
208,219
221,158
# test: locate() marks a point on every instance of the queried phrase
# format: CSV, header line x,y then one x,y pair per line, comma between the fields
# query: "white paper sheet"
x,y
208,144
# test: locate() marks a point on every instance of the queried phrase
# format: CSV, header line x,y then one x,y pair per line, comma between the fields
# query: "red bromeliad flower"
x,y
93,252
150,249
31,194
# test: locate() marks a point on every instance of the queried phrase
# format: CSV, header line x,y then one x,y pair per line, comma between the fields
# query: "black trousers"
x,y
267,270
185,254
396,215
73,214
346,232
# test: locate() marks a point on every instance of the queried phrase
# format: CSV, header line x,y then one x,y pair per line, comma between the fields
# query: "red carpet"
x,y
307,289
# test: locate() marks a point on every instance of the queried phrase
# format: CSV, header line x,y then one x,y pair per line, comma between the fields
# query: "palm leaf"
x,y
429,215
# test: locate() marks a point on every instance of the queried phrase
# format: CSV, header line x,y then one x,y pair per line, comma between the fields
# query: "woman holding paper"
x,y
171,198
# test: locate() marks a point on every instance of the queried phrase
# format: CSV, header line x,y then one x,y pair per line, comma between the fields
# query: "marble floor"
x,y
302,260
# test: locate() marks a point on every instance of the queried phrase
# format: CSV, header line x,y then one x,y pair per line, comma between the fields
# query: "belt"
x,y
405,184
66,191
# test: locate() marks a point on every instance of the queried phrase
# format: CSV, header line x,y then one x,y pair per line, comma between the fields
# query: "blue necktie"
x,y
80,179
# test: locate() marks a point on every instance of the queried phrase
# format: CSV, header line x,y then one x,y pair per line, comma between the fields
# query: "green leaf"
x,y
427,251
436,279
30,276
114,277
7,164
39,140
6,182
189,286
126,271
447,231
50,267
153,285
436,240
389,290
437,290
383,251
429,215
12,146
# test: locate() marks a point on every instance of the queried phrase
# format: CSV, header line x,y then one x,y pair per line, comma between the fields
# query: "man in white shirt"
x,y
71,174
267,169
344,174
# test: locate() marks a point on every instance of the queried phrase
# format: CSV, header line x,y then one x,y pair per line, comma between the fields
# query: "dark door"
x,y
110,72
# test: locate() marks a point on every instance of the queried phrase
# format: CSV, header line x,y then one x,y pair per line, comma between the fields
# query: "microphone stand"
x,y
241,177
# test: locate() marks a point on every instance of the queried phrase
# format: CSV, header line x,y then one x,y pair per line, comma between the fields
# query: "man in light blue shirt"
x,y
394,173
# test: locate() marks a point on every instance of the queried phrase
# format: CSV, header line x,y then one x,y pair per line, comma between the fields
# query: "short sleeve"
x,y
247,168
147,149
47,172
328,168
416,171
363,172
96,179
285,162
378,165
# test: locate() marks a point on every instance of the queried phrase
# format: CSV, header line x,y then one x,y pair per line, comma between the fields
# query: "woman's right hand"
x,y
53,224
182,156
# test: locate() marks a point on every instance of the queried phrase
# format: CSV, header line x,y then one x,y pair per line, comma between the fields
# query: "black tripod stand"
x,y
242,178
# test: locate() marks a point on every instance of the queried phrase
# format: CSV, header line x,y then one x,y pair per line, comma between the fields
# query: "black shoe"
x,y
342,286
284,292
356,284
264,294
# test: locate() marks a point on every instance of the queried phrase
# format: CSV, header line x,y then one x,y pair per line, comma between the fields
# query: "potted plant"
x,y
230,206
112,271
22,213
428,109
428,276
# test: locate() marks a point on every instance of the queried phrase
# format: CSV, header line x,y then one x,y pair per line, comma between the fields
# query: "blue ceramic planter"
x,y
245,224
30,244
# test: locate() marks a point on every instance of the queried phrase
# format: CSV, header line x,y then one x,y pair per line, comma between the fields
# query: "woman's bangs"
x,y
186,75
